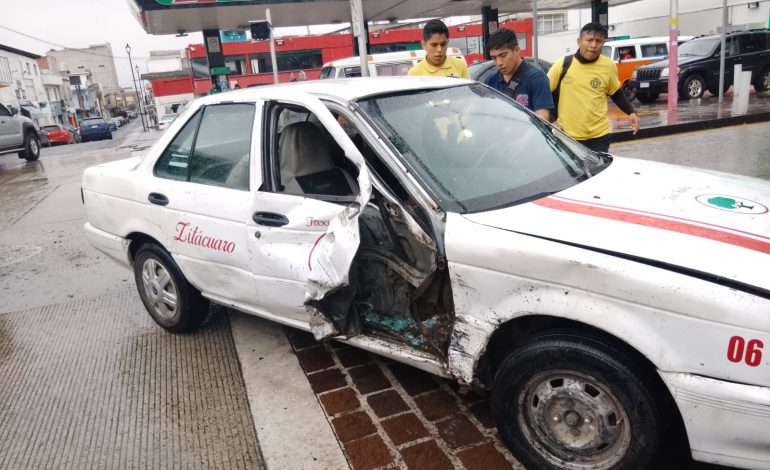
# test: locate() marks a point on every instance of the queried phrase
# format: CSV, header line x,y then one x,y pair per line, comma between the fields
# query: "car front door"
x,y
303,230
201,186
8,128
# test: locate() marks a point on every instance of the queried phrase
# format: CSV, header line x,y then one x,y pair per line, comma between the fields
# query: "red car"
x,y
57,134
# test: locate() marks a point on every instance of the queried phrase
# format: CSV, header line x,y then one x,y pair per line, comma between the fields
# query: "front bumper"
x,y
653,86
727,423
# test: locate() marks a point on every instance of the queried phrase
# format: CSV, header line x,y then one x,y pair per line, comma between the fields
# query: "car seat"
x,y
307,167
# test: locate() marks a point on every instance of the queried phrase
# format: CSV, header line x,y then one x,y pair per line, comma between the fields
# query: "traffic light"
x,y
260,30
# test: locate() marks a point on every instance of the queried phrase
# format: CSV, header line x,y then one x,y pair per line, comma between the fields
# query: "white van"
x,y
380,65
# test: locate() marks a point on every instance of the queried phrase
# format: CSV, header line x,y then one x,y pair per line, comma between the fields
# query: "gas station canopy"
x,y
174,16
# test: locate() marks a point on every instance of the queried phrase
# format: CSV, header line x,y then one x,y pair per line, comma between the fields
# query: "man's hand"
x,y
634,122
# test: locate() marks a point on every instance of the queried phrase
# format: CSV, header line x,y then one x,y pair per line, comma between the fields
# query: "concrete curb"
x,y
658,131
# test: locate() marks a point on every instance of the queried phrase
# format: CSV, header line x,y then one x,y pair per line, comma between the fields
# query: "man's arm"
x,y
540,94
620,99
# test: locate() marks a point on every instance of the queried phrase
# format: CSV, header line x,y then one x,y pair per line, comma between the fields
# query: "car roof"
x,y
646,40
388,57
344,89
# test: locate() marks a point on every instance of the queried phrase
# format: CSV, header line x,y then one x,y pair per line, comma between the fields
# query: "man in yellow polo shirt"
x,y
590,77
435,41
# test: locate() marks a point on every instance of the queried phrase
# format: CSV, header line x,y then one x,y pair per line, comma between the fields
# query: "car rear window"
x,y
88,122
50,128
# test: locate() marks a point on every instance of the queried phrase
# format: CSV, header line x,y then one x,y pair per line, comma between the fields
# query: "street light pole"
x,y
131,64
142,93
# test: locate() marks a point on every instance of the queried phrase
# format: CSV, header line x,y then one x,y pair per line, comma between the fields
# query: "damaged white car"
x,y
615,308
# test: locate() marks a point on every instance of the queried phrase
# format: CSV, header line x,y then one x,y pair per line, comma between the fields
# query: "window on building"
x,y
294,60
521,38
395,47
551,23
237,64
34,66
5,71
460,43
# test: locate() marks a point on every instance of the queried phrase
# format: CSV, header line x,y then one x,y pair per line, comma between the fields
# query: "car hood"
x,y
702,222
683,60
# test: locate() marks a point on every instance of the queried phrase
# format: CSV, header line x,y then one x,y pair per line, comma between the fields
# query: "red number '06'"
x,y
737,347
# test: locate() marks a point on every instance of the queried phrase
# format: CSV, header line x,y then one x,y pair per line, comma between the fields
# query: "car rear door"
x,y
9,132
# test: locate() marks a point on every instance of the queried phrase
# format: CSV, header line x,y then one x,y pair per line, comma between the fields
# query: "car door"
x,y
201,187
8,128
302,233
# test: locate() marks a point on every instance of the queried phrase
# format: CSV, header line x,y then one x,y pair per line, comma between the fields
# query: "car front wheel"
x,y
567,400
764,80
31,150
170,300
629,91
693,87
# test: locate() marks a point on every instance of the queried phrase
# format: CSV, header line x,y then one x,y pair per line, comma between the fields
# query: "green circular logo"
x,y
731,204
595,83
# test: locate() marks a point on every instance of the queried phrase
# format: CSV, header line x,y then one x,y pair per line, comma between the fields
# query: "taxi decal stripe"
x,y
665,216
310,255
658,222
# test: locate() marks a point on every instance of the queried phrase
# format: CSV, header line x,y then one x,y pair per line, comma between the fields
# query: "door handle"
x,y
270,219
158,198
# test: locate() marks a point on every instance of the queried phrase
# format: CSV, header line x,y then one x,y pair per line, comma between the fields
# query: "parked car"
x,y
166,120
95,129
18,134
483,70
398,215
43,135
75,132
629,54
699,66
387,64
113,123
58,134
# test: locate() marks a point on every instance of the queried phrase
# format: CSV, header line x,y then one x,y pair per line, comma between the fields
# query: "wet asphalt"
x,y
87,380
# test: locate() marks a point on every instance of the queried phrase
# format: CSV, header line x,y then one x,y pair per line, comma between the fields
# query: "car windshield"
x,y
50,128
88,122
476,149
698,47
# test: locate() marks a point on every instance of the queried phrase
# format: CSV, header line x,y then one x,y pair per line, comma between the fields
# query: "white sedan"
x,y
614,308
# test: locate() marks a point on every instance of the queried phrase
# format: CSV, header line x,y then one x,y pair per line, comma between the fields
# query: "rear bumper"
x,y
97,135
111,245
727,423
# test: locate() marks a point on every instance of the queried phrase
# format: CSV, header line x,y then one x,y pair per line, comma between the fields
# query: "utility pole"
x,y
138,99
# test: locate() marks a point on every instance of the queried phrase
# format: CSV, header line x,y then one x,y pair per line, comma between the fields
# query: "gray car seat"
x,y
306,162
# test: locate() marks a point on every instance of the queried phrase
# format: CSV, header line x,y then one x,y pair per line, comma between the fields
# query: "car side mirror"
x,y
14,111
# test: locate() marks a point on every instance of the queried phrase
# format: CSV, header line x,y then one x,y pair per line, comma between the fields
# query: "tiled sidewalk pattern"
x,y
389,415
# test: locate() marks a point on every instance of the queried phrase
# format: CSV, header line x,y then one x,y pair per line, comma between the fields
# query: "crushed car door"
x,y
298,236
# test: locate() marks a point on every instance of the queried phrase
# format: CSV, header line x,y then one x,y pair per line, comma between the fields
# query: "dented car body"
x,y
613,307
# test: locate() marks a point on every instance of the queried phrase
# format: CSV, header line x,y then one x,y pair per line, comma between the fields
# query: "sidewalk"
x,y
691,115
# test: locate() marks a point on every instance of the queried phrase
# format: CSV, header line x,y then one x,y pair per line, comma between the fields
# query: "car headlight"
x,y
633,75
664,73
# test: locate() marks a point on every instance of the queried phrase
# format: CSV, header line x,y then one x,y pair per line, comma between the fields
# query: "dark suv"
x,y
699,66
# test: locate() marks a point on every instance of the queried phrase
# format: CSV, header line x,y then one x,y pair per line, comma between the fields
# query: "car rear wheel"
x,y
693,87
170,300
31,150
568,400
764,80
647,96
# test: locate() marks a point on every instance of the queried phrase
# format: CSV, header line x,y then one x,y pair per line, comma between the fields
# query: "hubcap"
x,y
159,288
573,420
766,80
33,146
695,88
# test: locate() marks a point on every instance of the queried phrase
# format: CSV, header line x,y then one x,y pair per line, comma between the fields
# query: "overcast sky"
x,y
54,24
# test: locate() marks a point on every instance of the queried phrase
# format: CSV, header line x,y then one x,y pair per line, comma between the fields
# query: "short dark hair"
x,y
434,27
594,28
502,39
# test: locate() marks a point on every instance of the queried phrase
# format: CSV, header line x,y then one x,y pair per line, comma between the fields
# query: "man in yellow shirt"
x,y
435,41
583,91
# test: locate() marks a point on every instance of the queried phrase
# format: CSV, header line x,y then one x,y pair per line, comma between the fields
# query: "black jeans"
x,y
599,144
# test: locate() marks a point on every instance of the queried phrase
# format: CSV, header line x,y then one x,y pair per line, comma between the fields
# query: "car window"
x,y
175,161
222,146
763,40
50,128
305,159
698,47
625,53
4,111
653,50
352,72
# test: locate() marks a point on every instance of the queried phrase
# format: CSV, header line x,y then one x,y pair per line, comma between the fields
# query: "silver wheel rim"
x,y
695,87
33,146
766,79
574,421
160,289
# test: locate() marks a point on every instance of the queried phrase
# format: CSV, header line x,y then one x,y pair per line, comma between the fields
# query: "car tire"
x,y
647,97
170,300
763,82
31,150
569,400
629,91
693,87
